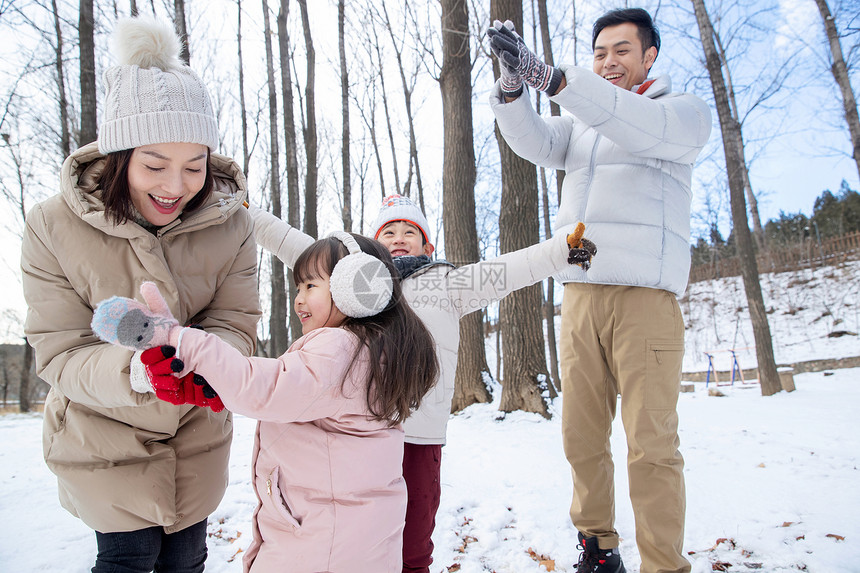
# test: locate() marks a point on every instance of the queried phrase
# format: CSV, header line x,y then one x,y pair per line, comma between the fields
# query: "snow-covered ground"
x,y
772,483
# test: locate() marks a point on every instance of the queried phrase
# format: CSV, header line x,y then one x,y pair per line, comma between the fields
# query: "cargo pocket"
x,y
663,374
273,499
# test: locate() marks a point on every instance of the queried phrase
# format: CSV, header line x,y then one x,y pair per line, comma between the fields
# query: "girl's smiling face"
x,y
164,177
314,305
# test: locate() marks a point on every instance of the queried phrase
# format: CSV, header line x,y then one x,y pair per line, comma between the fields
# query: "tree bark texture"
x,y
733,146
752,202
458,192
291,151
89,123
181,30
549,303
840,74
278,339
26,373
65,135
525,380
346,213
310,128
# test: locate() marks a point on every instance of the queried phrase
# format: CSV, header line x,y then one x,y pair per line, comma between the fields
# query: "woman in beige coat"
x,y
148,201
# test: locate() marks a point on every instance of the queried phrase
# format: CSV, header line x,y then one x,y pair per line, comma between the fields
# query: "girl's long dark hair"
x,y
403,366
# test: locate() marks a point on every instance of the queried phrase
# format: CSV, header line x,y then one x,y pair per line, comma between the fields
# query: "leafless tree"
x,y
408,86
380,67
24,168
182,30
278,339
86,41
65,136
458,191
367,110
344,104
840,74
525,371
732,146
243,111
549,303
291,149
311,173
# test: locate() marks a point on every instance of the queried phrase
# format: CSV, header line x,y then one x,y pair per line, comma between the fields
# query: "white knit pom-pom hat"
x,y
151,96
400,208
361,285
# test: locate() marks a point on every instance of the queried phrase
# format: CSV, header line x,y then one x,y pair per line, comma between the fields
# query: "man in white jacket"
x,y
627,148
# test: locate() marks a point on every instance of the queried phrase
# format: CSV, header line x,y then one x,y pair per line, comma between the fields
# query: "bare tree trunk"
x,y
291,151
278,339
526,375
344,104
554,110
381,74
549,303
458,192
181,30
246,156
133,8
24,386
89,123
843,80
370,124
310,128
65,136
732,146
408,89
758,231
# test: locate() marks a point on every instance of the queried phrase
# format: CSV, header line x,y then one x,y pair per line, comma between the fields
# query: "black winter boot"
x,y
596,560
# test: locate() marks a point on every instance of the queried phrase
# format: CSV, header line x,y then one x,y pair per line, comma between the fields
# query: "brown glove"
x,y
581,249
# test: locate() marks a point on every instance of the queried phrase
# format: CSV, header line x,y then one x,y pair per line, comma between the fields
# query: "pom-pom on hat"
x,y
151,96
400,208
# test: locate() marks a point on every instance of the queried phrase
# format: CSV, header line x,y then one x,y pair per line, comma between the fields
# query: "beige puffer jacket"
x,y
124,460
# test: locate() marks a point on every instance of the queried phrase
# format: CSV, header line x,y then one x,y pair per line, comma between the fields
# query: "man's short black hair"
x,y
648,34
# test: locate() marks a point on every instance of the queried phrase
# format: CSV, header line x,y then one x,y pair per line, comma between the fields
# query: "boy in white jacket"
x,y
440,294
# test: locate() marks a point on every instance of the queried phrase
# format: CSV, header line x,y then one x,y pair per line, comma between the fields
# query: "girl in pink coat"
x,y
329,444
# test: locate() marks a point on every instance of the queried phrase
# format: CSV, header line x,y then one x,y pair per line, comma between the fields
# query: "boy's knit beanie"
x,y
151,96
400,208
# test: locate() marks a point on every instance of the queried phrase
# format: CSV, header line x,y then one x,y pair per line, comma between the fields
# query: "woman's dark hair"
x,y
116,195
648,33
403,365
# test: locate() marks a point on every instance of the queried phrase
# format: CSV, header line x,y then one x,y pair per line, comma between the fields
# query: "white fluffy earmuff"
x,y
361,285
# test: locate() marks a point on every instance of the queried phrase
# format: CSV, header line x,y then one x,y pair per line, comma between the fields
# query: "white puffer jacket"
x,y
440,295
628,160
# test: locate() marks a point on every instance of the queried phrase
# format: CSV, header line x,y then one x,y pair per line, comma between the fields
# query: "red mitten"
x,y
161,367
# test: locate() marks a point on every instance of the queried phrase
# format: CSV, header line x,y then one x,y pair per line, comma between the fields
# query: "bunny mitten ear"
x,y
134,325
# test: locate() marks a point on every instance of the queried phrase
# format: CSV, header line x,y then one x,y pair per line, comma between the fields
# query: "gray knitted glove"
x,y
510,48
512,81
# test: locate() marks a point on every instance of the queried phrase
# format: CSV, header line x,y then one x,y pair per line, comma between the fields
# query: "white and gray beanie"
x,y
151,96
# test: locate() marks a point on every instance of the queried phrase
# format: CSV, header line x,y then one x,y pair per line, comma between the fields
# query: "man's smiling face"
x,y
619,58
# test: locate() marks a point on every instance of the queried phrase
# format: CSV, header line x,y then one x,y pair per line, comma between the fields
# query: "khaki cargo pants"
x,y
629,341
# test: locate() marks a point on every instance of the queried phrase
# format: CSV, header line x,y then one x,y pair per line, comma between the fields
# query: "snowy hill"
x,y
771,482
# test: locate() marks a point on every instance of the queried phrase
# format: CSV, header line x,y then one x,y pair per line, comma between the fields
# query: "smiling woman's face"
x,y
164,177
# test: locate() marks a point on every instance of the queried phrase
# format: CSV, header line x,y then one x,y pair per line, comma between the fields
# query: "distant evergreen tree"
x,y
836,214
787,230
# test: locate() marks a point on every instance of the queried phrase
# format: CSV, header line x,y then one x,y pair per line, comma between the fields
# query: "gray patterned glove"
x,y
512,81
512,51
